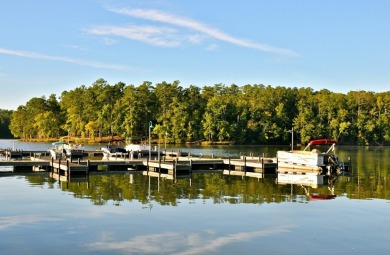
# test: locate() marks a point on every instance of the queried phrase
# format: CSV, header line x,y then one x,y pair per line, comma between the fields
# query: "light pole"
x,y
292,138
68,134
150,145
166,133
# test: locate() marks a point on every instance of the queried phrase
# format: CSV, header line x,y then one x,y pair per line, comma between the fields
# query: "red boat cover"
x,y
321,197
322,142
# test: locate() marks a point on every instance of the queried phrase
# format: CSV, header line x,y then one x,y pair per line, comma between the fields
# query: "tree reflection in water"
x,y
128,186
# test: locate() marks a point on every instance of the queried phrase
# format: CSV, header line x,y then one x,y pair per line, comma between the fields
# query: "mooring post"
x,y
87,170
174,169
262,167
68,168
349,165
245,165
229,165
159,166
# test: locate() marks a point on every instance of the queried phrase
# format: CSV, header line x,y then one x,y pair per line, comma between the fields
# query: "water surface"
x,y
207,213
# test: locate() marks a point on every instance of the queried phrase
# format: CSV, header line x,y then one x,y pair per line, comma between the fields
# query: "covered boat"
x,y
65,150
114,151
310,160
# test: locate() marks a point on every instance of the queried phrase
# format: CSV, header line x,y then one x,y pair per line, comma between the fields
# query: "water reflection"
x,y
117,188
192,243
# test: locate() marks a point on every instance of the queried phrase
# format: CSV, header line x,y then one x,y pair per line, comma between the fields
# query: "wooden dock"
x,y
67,167
174,164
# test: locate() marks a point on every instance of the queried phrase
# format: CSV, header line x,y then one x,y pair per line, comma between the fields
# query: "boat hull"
x,y
304,158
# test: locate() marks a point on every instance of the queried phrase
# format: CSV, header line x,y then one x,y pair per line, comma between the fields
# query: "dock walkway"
x,y
177,165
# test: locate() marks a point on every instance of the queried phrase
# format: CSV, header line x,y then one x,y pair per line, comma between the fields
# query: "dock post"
x,y
147,165
262,167
68,168
349,165
159,166
229,165
245,165
174,169
87,170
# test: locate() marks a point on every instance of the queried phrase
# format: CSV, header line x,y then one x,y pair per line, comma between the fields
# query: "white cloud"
x,y
15,220
181,243
212,47
160,36
75,47
109,41
155,15
34,55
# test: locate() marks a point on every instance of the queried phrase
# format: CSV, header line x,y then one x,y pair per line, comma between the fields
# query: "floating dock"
x,y
171,164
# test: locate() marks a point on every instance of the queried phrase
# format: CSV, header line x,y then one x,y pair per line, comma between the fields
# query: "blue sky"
x,y
47,46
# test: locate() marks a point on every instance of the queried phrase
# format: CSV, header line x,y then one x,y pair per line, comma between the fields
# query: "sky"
x,y
47,47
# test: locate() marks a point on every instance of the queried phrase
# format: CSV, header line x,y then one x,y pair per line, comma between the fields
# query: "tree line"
x,y
249,114
5,118
103,189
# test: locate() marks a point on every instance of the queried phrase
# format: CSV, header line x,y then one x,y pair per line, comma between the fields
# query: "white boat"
x,y
137,147
310,161
65,150
114,151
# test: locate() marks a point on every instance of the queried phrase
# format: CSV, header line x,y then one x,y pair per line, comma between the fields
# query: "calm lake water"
x,y
209,213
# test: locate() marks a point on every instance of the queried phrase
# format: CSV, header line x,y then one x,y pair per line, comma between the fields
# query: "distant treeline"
x,y
5,118
250,114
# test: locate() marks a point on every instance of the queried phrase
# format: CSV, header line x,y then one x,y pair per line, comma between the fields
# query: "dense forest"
x,y
5,118
250,114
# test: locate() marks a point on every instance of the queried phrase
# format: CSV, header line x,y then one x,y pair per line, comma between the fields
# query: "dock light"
x,y
292,138
150,145
166,134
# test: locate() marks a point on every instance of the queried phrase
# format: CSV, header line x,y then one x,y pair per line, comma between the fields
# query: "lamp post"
x,y
68,134
292,138
166,133
150,145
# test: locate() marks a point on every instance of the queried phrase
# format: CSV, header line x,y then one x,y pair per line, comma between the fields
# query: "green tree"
x,y
306,121
5,120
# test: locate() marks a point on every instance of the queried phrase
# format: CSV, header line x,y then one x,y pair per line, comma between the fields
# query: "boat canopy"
x,y
58,143
322,142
